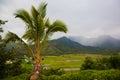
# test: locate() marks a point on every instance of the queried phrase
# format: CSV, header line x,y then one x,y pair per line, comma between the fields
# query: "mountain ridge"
x,y
66,45
101,41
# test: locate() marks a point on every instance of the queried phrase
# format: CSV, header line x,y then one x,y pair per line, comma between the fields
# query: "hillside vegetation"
x,y
65,45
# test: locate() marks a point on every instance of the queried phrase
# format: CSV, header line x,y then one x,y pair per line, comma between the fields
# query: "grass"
x,y
67,61
63,61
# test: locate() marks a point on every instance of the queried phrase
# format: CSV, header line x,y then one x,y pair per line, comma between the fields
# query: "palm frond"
x,y
11,37
42,9
47,23
24,15
34,13
57,26
30,35
40,27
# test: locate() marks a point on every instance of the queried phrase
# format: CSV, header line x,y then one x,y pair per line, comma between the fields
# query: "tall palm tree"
x,y
38,31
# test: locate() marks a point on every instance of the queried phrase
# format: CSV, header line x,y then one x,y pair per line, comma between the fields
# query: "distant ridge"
x,y
101,41
65,45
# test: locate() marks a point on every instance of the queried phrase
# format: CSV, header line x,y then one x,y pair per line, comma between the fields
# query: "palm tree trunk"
x,y
37,66
36,72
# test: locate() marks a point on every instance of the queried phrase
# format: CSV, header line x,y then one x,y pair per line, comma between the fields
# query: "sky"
x,y
88,18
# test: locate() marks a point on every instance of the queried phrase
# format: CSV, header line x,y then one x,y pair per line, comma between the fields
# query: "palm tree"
x,y
38,31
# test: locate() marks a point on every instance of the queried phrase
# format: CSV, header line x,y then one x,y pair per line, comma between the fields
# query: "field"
x,y
67,62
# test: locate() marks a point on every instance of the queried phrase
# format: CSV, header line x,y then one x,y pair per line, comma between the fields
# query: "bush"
x,y
52,71
115,61
86,75
13,67
112,62
82,75
102,64
20,77
88,64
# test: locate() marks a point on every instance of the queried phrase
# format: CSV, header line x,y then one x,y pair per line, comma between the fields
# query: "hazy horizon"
x,y
88,18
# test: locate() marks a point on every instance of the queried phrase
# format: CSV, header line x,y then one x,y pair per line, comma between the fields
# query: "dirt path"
x,y
71,69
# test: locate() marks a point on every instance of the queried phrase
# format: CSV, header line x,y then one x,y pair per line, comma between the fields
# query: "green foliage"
x,y
112,62
102,64
13,69
52,71
86,75
115,61
88,63
20,77
9,64
82,75
38,26
2,22
1,29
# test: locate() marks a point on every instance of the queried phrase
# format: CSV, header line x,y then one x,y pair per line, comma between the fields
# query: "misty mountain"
x,y
66,45
101,41
63,45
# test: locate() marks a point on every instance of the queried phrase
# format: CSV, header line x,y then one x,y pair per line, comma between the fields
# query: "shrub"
x,y
115,61
82,75
112,62
86,75
12,68
20,77
102,64
88,63
52,71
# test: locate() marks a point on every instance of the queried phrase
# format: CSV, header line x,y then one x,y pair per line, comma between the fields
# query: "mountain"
x,y
101,41
63,45
66,45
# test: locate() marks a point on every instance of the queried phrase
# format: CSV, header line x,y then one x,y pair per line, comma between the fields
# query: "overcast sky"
x,y
88,18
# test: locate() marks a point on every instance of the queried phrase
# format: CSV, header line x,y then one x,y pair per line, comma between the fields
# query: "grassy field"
x,y
67,61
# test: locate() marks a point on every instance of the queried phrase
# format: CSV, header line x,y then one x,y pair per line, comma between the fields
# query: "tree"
x,y
114,61
38,31
9,65
2,23
88,64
